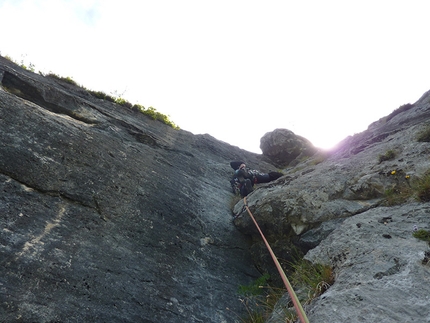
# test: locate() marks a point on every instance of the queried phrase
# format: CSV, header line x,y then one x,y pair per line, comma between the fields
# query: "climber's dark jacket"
x,y
244,178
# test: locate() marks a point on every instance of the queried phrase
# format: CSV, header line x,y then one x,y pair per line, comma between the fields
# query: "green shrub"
x,y
314,278
389,154
255,287
101,95
307,279
424,136
260,299
30,67
253,302
402,190
422,234
138,107
397,195
422,187
154,114
123,102
67,79
151,112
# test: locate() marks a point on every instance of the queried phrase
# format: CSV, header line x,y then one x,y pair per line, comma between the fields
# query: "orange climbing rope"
x,y
300,312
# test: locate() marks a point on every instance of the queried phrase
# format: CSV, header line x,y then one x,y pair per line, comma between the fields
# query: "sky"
x,y
235,69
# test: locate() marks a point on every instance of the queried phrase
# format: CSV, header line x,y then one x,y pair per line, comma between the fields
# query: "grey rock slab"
x,y
379,270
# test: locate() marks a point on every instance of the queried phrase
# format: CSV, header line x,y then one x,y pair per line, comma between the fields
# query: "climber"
x,y
244,178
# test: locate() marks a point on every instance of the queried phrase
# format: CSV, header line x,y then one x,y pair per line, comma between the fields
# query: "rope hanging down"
x,y
300,312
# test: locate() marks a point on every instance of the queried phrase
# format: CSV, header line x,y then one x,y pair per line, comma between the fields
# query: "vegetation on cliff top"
x,y
150,112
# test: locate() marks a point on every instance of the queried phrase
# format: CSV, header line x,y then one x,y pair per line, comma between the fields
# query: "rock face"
x,y
285,148
376,261
109,216
355,209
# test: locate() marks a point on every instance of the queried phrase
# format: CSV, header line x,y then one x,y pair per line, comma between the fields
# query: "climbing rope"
x,y
299,309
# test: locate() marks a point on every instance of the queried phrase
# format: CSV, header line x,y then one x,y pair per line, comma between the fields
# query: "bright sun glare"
x,y
235,69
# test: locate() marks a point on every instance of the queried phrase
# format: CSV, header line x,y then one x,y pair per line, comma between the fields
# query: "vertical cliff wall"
x,y
109,216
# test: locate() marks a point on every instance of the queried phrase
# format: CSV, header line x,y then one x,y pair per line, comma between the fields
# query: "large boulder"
x,y
285,148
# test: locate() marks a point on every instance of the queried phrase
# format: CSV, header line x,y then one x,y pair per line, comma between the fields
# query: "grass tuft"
x,y
389,154
422,188
397,195
315,279
66,79
424,136
422,234
255,287
262,300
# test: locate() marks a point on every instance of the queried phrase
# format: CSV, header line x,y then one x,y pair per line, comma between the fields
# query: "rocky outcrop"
x,y
109,216
284,148
342,206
